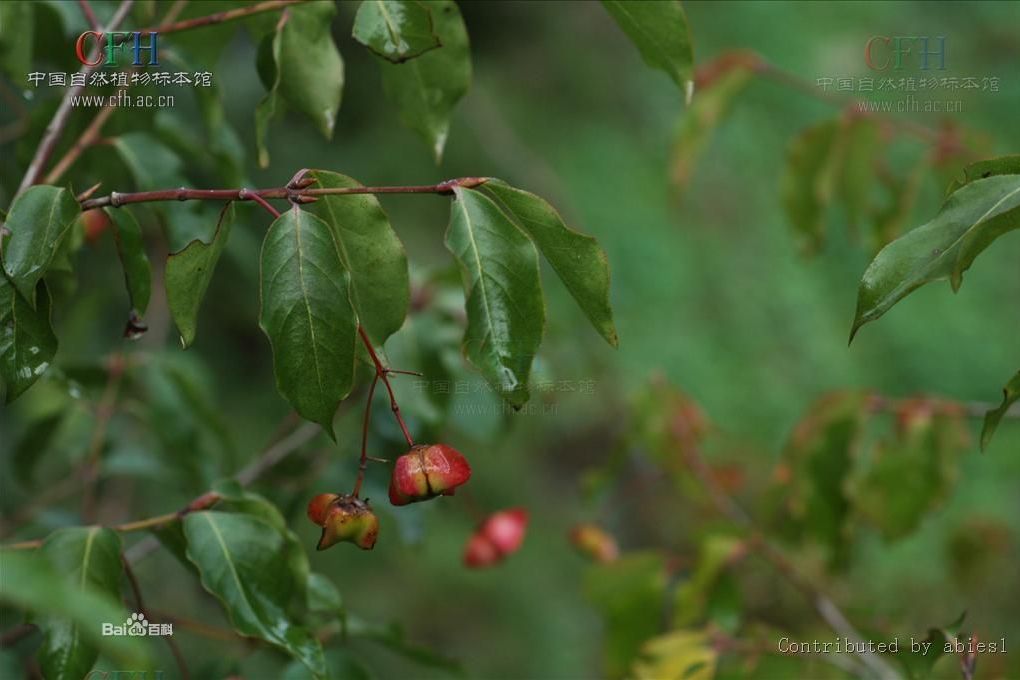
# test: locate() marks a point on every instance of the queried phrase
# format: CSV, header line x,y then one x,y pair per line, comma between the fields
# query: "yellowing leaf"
x,y
678,655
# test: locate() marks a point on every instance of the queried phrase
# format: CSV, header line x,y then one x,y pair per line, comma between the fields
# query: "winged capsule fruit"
x,y
318,506
594,542
427,471
500,535
344,519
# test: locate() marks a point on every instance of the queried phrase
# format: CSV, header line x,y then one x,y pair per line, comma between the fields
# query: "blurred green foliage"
x,y
709,292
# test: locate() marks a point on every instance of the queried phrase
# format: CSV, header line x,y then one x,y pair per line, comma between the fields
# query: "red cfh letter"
x,y
79,48
867,53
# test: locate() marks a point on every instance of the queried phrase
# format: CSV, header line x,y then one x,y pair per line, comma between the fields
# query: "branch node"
x,y
182,193
299,181
114,199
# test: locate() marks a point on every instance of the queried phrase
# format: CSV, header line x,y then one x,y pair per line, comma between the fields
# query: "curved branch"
x,y
63,113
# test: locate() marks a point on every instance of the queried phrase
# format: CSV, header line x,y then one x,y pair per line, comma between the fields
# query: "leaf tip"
x,y
853,330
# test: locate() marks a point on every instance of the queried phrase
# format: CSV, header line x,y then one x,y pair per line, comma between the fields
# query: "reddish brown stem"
x,y
243,194
298,194
63,113
140,604
203,502
104,413
90,16
221,17
382,373
89,137
364,437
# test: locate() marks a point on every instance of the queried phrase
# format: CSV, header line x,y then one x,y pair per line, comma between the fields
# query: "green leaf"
x,y
807,184
701,119
323,596
131,249
152,164
1004,165
660,32
308,71
901,198
340,662
912,474
392,637
88,558
576,258
155,166
306,313
681,654
427,88
396,30
1010,395
189,273
181,415
629,595
30,582
38,220
919,662
27,342
860,145
16,37
34,444
370,251
242,562
691,600
505,310
818,460
945,247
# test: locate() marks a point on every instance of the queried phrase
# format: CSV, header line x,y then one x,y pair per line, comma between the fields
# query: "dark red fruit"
x,y
427,471
499,536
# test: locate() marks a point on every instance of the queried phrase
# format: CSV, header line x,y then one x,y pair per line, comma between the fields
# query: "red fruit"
x,y
427,471
480,552
506,529
348,519
500,535
593,542
318,506
94,223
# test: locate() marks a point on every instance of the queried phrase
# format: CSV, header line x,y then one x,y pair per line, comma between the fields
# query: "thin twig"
x,y
363,464
203,502
823,604
14,100
272,455
277,452
221,17
63,113
203,629
53,493
87,139
971,409
14,635
724,643
140,604
244,195
795,82
382,373
174,11
300,194
90,16
104,413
